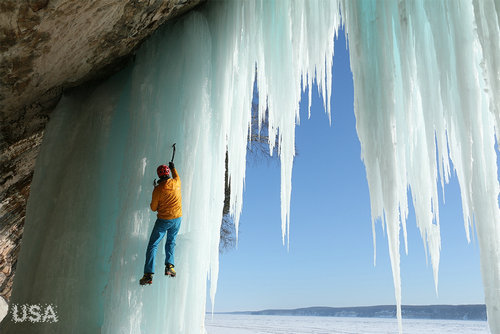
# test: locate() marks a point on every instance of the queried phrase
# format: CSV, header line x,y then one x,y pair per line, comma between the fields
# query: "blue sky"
x,y
330,260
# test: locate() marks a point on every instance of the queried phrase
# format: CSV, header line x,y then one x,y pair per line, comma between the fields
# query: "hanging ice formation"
x,y
427,91
426,79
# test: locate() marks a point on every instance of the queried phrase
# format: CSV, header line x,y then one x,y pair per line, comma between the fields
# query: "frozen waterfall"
x,y
426,85
427,92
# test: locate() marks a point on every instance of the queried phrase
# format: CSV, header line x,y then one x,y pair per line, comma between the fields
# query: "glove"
x,y
154,182
171,165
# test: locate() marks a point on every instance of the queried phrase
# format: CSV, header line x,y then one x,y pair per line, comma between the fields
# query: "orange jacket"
x,y
167,199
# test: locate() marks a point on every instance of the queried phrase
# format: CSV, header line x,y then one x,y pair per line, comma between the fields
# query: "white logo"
x,y
34,313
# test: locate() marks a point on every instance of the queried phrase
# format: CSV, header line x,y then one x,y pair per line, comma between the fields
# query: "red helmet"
x,y
163,171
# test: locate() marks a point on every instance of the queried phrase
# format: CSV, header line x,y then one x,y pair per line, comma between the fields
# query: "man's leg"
x,y
155,238
172,230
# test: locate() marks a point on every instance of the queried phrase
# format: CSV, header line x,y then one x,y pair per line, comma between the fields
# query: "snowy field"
x,y
256,324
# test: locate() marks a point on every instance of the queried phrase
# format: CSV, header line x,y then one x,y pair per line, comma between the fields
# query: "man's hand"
x,y
171,165
154,182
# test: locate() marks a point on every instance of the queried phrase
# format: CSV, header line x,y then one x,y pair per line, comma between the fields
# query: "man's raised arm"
x,y
175,175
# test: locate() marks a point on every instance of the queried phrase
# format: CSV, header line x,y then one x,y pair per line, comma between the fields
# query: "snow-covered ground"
x,y
256,324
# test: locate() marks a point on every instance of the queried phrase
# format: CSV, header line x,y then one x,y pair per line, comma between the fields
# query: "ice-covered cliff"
x,y
426,82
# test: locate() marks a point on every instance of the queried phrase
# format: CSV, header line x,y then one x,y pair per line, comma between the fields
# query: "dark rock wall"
x,y
47,46
17,172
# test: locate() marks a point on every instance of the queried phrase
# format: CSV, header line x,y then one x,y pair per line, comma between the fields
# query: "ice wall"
x,y
426,80
88,219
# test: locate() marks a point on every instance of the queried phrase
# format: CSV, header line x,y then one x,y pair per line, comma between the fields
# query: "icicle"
x,y
426,79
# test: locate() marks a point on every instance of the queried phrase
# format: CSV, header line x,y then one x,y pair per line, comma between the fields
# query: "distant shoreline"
x,y
438,312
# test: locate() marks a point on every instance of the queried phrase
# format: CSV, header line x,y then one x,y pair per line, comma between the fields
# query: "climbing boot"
x,y
146,279
169,270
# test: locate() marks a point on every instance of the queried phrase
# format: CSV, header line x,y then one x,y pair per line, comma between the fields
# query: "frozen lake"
x,y
266,324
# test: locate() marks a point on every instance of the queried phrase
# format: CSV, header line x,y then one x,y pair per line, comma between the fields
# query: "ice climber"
x,y
167,201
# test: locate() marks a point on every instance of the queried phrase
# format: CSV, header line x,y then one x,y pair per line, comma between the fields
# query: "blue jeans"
x,y
171,227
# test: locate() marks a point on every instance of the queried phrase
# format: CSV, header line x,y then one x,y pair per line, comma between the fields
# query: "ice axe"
x,y
173,153
173,156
